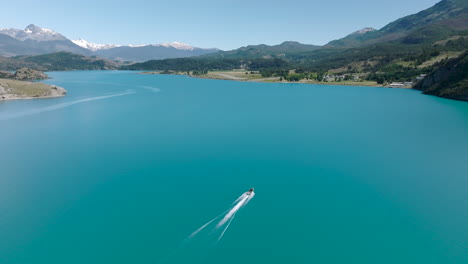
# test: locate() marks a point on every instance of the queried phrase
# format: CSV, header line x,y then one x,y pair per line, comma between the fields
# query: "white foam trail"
x,y
205,225
202,227
153,89
232,211
238,199
229,215
62,105
227,226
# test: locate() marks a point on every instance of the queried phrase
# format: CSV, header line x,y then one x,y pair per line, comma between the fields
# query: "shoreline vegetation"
x,y
252,76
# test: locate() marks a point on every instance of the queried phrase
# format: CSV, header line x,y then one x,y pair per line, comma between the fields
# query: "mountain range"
x,y
438,21
153,51
57,61
442,28
34,40
411,46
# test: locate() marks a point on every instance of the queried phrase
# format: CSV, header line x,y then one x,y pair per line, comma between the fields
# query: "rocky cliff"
x,y
449,79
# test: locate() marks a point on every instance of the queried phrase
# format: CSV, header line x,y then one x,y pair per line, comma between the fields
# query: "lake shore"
x,y
17,90
255,77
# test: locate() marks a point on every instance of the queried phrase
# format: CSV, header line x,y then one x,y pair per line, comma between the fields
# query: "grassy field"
x,y
352,83
449,55
405,63
240,75
247,76
13,89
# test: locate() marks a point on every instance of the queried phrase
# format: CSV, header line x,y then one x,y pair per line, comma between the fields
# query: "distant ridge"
x,y
144,52
152,52
32,32
265,51
363,31
444,16
92,46
58,61
35,40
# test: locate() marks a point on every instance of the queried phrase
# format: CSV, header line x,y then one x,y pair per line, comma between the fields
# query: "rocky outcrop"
x,y
6,75
449,80
13,89
24,74
55,91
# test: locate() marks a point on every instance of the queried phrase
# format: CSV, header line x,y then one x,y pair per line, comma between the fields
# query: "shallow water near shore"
x,y
126,166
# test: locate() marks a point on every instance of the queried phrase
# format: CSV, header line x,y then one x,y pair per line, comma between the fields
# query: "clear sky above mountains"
x,y
207,23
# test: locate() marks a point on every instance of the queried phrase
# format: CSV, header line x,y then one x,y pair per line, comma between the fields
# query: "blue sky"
x,y
207,23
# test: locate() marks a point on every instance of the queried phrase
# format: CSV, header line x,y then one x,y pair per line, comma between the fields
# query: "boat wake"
x,y
225,220
227,216
61,105
153,89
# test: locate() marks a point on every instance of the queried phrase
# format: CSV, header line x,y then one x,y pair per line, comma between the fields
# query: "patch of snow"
x,y
50,31
92,46
32,32
177,45
138,45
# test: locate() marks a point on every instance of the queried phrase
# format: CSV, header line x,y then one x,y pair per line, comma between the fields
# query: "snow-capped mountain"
x,y
32,32
178,45
139,53
92,46
143,52
34,40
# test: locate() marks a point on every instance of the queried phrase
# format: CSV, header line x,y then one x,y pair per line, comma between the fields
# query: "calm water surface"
x,y
126,166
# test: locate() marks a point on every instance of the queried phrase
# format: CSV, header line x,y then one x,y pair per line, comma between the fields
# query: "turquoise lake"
x,y
126,166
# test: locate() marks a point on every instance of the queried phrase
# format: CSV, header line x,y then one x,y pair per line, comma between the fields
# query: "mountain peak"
x,y
32,32
290,43
33,29
445,16
363,31
92,46
177,45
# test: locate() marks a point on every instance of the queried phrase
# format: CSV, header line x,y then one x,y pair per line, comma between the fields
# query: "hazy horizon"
x,y
206,23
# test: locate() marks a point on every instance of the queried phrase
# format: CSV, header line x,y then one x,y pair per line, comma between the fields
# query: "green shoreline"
x,y
221,75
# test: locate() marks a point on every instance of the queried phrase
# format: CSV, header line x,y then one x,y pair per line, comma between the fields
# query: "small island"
x,y
21,85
